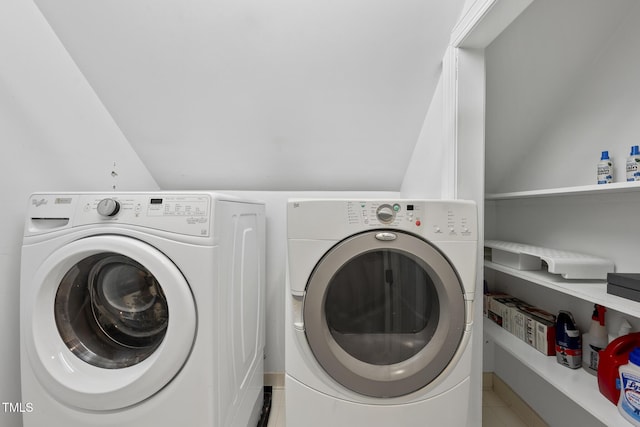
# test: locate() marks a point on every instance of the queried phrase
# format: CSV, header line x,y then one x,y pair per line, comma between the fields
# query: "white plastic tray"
x,y
570,265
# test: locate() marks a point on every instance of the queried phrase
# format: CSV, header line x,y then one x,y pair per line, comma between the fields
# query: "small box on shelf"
x,y
625,285
530,324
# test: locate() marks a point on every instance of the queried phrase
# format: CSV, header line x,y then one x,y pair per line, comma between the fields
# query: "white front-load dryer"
x,y
379,309
142,309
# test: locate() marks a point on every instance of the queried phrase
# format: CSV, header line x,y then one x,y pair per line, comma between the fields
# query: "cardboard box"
x,y
541,330
500,307
488,296
518,323
530,324
545,337
503,310
490,309
530,331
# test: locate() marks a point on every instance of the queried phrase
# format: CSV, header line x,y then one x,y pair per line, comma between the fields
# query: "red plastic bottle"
x,y
610,359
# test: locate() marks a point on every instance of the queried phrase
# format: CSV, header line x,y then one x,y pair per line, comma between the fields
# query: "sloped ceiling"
x,y
250,94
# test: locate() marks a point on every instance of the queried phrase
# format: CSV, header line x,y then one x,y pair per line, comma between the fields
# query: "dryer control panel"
x,y
335,218
383,213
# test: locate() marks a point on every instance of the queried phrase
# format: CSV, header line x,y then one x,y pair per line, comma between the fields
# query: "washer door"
x,y
384,313
113,322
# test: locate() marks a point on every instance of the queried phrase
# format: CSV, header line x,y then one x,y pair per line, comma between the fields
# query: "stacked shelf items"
x,y
579,275
576,384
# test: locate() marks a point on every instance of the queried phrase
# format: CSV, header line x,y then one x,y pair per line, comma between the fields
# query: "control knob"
x,y
108,207
385,214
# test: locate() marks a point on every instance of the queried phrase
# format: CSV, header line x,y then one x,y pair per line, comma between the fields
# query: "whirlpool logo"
x,y
37,203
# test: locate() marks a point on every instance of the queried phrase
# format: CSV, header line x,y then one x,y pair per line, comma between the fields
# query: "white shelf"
x,y
594,291
576,384
616,187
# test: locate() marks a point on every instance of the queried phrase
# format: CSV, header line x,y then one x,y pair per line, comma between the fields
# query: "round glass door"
x,y
111,311
109,321
384,313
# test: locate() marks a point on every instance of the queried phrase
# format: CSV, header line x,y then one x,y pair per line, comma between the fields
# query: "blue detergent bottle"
x,y
629,402
605,169
633,163
568,341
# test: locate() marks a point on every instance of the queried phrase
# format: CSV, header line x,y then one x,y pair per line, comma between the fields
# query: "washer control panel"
x,y
188,213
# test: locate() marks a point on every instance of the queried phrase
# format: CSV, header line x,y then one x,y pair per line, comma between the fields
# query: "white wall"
x,y
433,167
562,87
424,175
311,95
54,135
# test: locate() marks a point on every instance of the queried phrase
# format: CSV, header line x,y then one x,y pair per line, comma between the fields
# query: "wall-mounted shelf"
x,y
616,187
576,384
594,291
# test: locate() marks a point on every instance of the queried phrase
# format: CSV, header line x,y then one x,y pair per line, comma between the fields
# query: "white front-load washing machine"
x,y
379,309
142,309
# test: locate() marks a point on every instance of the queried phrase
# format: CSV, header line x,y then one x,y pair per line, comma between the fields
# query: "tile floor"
x,y
495,411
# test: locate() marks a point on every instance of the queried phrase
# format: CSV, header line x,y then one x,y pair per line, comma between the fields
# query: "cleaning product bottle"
x,y
568,342
633,161
594,340
605,169
625,329
629,403
611,359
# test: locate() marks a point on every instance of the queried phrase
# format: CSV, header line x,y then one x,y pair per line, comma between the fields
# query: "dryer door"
x,y
113,322
384,313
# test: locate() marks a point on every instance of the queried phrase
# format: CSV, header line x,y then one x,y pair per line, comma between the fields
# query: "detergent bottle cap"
x,y
634,356
635,150
605,155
